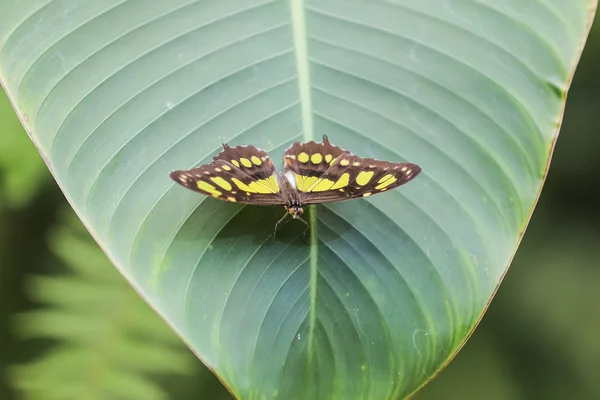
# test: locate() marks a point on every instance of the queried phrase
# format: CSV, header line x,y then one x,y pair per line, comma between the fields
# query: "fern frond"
x,y
110,344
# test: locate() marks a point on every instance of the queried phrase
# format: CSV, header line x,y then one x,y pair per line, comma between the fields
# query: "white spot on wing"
x,y
290,177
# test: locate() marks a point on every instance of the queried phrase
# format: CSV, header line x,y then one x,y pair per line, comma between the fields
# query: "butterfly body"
x,y
293,202
313,173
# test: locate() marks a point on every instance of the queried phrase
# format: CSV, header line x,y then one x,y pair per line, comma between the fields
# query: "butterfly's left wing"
x,y
242,174
325,173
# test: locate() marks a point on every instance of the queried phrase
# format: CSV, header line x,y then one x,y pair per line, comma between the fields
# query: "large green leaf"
x,y
117,93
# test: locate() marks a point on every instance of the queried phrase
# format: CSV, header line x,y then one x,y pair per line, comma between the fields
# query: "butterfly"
x,y
314,173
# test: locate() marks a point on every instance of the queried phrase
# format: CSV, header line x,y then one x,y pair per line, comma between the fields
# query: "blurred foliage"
x,y
22,170
109,344
539,338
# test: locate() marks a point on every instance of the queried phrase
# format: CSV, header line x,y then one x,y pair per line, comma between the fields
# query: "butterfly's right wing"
x,y
325,173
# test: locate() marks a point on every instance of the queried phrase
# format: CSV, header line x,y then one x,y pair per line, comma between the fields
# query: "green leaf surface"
x,y
116,94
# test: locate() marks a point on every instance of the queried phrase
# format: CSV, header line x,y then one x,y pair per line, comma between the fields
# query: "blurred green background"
x,y
60,336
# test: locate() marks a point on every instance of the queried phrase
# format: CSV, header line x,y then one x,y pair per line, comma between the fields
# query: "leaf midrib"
x,y
297,10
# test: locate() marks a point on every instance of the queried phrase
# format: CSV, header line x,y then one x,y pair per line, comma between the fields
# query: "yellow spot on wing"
x,y
232,199
303,183
226,167
328,158
344,163
316,158
322,186
241,185
256,187
366,194
245,162
356,163
364,177
342,182
234,162
303,157
253,187
221,182
207,187
256,160
387,180
274,183
270,183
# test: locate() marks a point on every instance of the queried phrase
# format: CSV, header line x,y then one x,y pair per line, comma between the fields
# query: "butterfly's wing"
x,y
325,173
242,174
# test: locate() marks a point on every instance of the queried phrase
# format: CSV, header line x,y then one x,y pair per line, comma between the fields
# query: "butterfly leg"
x,y
305,229
277,227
